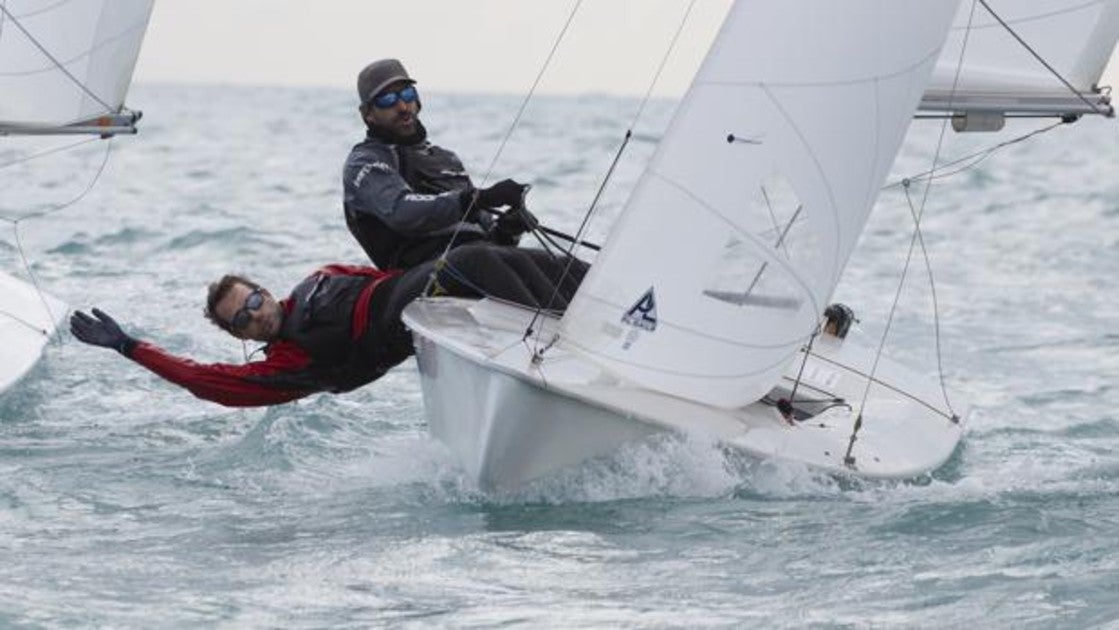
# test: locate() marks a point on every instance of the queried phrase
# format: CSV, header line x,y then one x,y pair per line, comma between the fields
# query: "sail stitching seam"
x,y
1035,18
705,335
45,9
139,24
762,247
60,66
826,185
658,370
855,81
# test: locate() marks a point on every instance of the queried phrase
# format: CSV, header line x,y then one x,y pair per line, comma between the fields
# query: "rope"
x,y
512,128
928,176
45,153
848,459
980,155
35,215
81,195
6,17
785,405
936,305
610,171
578,237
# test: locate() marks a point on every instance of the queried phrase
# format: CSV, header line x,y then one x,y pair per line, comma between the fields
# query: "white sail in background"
x,y
67,63
65,67
998,73
734,239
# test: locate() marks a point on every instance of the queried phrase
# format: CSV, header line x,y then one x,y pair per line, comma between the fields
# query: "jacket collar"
x,y
377,133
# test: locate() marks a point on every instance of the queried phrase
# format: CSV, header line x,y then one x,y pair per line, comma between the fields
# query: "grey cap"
x,y
378,76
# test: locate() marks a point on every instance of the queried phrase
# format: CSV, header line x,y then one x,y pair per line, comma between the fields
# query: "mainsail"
x,y
733,241
65,67
984,68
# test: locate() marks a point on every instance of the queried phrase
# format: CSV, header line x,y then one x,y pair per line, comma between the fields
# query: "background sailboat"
x,y
65,68
705,304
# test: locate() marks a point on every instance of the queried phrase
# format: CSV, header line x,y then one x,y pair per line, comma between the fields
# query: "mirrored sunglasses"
x,y
244,315
385,100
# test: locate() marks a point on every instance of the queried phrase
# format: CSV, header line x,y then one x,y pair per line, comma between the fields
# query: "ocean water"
x,y
125,502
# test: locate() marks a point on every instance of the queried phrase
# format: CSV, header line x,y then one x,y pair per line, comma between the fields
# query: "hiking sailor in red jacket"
x,y
339,328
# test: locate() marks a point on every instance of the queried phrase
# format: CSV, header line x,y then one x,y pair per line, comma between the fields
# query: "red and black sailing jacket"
x,y
325,344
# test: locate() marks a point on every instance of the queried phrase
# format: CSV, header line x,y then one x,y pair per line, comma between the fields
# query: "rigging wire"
x,y
1037,56
67,204
978,157
35,156
61,67
7,17
442,261
579,233
848,458
933,174
936,306
36,215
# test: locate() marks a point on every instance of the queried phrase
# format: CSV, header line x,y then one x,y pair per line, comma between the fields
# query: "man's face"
x,y
259,324
399,119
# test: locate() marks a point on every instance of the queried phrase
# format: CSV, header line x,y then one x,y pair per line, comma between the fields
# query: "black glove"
x,y
504,193
103,331
468,199
516,221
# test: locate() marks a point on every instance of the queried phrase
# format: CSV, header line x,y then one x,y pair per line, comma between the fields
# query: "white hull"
x,y
508,420
27,321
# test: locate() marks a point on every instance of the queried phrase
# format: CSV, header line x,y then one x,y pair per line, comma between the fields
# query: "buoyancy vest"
x,y
321,322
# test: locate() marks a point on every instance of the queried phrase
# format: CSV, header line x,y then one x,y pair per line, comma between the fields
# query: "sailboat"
x,y
65,68
759,188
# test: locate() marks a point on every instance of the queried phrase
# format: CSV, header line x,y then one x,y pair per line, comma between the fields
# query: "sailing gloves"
x,y
101,330
513,222
516,221
504,193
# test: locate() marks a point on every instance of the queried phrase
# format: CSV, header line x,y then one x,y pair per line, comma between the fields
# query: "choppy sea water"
x,y
125,502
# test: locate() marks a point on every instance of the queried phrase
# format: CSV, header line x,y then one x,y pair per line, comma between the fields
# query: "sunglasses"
x,y
244,315
386,100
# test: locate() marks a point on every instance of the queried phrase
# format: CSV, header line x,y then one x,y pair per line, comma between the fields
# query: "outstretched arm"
x,y
250,385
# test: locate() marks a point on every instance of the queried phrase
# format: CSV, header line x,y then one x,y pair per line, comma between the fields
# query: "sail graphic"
x,y
749,210
65,67
985,68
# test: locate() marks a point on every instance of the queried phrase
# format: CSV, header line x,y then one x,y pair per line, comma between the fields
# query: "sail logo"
x,y
643,314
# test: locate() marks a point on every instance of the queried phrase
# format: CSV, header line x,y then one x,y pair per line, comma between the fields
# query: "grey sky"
x,y
462,45
468,45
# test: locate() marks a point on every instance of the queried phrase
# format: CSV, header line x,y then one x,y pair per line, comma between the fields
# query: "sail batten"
x,y
65,67
727,252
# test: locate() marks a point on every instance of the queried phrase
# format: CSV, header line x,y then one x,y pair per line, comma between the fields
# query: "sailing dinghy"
x,y
760,188
65,68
